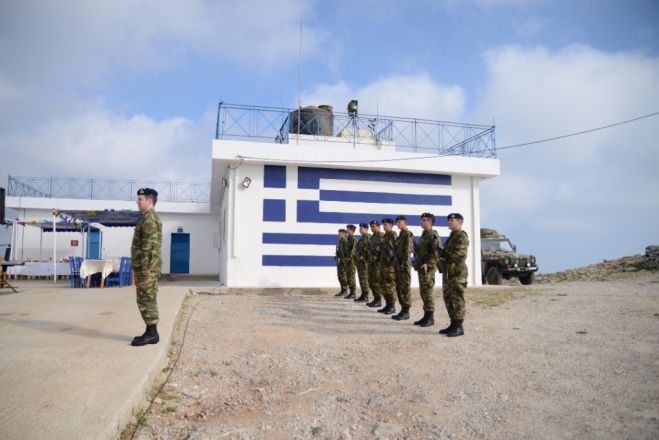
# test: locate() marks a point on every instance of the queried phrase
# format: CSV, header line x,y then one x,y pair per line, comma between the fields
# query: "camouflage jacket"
x,y
429,244
363,248
404,247
374,244
339,250
455,255
350,247
387,248
147,241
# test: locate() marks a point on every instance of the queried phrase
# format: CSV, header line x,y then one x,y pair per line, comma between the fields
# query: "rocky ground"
x,y
552,361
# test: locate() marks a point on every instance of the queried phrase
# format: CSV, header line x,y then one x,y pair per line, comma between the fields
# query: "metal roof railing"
x,y
105,189
274,124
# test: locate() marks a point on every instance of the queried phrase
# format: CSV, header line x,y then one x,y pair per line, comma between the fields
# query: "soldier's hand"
x,y
425,268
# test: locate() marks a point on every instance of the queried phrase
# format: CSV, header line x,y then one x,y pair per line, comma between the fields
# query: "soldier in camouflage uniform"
x,y
351,254
145,255
426,260
363,252
404,247
341,263
455,274
374,264
388,267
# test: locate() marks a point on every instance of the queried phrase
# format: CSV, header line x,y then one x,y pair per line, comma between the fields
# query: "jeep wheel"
x,y
493,276
527,279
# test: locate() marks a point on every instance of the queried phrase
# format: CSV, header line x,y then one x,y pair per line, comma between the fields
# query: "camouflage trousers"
x,y
147,296
426,288
403,280
388,282
362,272
374,279
454,298
346,276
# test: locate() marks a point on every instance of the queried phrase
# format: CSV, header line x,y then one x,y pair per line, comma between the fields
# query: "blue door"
x,y
94,245
180,254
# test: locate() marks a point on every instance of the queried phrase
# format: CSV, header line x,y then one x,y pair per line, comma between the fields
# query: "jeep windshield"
x,y
496,245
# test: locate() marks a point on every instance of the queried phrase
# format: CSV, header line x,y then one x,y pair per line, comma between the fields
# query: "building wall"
x,y
116,241
281,230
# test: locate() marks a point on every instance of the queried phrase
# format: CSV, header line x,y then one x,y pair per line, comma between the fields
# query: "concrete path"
x,y
67,369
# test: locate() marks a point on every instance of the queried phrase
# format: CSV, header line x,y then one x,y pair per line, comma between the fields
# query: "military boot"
x,y
422,320
430,320
343,292
391,309
351,295
447,329
402,315
386,306
363,297
377,302
150,336
457,329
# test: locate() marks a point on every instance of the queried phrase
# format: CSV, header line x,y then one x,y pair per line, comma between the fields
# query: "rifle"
x,y
418,261
392,253
342,255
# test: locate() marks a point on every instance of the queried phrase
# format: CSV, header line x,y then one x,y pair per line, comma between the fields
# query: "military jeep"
x,y
500,260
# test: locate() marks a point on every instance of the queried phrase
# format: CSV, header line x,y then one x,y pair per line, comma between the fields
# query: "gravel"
x,y
554,361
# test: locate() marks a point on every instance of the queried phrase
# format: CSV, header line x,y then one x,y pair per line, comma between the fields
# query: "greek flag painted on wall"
x,y
303,207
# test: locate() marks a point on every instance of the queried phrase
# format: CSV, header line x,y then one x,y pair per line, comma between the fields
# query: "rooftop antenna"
x,y
299,88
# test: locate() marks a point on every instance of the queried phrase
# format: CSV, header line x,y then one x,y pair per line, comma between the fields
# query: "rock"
x,y
386,430
379,400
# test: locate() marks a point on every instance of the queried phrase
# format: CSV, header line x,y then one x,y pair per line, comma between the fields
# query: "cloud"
x,y
530,27
568,199
416,96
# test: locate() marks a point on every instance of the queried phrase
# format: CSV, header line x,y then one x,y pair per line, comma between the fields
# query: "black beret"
x,y
375,222
147,192
342,230
401,217
363,225
429,216
351,227
454,215
388,220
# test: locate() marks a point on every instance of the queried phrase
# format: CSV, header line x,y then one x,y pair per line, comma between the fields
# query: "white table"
x,y
39,269
104,267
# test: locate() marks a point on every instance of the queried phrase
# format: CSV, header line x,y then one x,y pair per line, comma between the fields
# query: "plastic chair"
x,y
126,272
74,264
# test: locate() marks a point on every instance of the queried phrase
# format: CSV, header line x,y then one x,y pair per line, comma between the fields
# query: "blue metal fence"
x,y
105,189
270,124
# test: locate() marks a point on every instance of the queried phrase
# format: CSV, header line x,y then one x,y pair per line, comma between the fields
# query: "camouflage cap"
x,y
363,225
454,216
147,192
388,220
375,222
351,227
401,217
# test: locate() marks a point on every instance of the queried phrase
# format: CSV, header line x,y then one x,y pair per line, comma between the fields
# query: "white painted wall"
x,y
241,257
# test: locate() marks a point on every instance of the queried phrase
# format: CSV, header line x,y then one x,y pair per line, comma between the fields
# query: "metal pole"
x,y
54,250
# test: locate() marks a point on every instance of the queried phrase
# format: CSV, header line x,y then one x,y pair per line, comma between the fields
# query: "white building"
x,y
277,199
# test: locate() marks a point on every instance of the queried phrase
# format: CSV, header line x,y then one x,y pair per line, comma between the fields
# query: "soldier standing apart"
x,y
374,264
404,247
351,254
363,252
425,263
145,255
341,262
388,267
455,275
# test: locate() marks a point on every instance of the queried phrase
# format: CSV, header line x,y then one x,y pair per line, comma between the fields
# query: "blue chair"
x,y
74,264
126,272
114,279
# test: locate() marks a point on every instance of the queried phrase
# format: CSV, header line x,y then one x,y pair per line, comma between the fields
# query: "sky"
x,y
129,89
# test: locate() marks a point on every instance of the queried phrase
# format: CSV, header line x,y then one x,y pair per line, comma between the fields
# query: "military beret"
x,y
429,216
387,220
342,230
375,222
363,225
147,192
401,217
351,227
455,216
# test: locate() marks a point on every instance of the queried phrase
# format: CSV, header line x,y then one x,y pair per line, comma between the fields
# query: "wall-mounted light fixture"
x,y
246,182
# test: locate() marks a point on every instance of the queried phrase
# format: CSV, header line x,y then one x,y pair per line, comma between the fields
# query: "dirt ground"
x,y
570,360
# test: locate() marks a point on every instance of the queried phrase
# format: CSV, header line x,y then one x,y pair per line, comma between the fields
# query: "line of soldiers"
x,y
382,263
